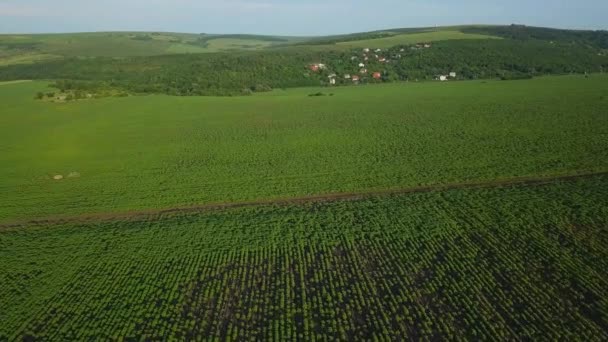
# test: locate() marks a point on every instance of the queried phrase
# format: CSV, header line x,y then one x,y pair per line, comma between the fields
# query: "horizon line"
x,y
294,35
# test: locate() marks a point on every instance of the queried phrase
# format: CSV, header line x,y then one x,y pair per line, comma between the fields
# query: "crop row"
x,y
460,285
265,147
513,263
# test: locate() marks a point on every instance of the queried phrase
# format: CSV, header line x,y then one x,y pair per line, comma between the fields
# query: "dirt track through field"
x,y
14,82
137,215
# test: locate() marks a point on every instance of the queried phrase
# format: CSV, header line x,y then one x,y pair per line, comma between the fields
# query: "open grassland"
x,y
412,38
10,58
120,154
513,263
27,49
20,49
93,44
222,44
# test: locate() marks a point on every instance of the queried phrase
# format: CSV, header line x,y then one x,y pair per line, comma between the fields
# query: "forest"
x,y
597,38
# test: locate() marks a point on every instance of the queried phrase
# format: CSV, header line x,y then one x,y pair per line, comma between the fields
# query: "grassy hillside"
x,y
488,264
17,49
412,38
30,48
109,63
23,48
117,154
240,73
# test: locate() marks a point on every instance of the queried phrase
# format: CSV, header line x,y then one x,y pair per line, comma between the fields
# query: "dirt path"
x,y
136,215
13,82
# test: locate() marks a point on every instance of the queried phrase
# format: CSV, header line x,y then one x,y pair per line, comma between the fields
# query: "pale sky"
x,y
290,17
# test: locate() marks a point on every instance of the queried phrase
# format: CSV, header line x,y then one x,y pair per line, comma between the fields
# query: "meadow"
x,y
509,263
121,154
54,46
24,48
27,48
413,38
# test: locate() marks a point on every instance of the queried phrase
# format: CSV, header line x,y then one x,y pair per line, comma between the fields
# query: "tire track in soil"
x,y
139,215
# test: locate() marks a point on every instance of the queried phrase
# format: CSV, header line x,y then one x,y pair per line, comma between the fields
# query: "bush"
x,y
515,76
258,88
317,94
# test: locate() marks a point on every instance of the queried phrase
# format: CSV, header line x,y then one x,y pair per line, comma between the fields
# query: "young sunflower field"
x,y
507,263
146,152
376,211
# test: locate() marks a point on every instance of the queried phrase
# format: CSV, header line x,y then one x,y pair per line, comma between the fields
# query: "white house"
x,y
332,79
452,74
361,65
366,50
443,78
347,76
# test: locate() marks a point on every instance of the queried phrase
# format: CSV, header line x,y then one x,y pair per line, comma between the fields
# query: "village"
x,y
368,57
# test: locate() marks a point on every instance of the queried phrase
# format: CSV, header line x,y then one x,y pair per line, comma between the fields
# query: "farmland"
x,y
168,186
499,263
159,151
21,49
24,48
413,38
138,63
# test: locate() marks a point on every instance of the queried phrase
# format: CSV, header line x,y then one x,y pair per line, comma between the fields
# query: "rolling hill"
x,y
20,48
34,48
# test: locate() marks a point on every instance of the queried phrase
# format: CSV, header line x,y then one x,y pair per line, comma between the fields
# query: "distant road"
x,y
137,215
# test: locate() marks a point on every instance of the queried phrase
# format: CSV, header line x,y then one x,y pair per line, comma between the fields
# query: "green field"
x,y
27,49
221,44
120,154
412,38
525,262
85,44
19,49
169,187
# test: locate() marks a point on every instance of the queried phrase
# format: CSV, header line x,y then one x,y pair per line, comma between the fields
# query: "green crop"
x,y
120,154
526,262
414,211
